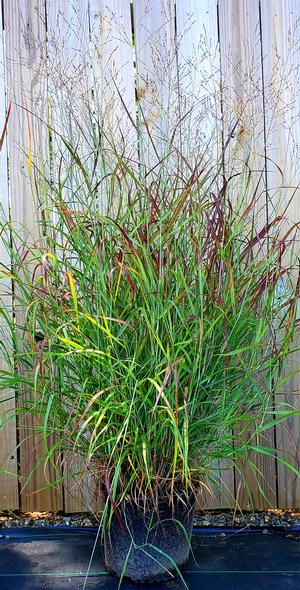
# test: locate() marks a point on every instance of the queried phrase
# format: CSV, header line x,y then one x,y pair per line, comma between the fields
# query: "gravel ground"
x,y
264,519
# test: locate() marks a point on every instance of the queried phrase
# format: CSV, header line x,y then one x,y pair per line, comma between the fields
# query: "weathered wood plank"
x,y
222,488
243,124
69,75
198,138
198,135
8,441
242,90
69,81
25,37
113,78
281,65
288,444
72,112
113,94
82,492
154,35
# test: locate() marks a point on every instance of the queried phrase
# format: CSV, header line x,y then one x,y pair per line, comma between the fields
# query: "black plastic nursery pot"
x,y
149,545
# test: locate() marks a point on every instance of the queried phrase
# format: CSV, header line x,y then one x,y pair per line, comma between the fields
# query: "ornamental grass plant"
x,y
153,335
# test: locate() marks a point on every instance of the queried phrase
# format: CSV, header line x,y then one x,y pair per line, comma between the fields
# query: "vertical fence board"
x,y
68,72
113,76
8,453
281,64
26,88
242,99
81,487
288,444
113,93
154,34
198,137
242,109
198,82
69,80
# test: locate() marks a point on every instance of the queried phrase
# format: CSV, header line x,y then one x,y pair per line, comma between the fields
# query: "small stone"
x,y
265,532
67,520
206,522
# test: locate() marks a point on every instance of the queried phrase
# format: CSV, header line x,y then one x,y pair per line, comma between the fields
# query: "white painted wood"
x,y
154,31
8,452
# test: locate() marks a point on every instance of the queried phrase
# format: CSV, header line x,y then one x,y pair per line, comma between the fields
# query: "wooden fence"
x,y
200,70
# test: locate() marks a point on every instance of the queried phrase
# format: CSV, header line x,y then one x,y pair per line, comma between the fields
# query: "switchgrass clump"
x,y
154,335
